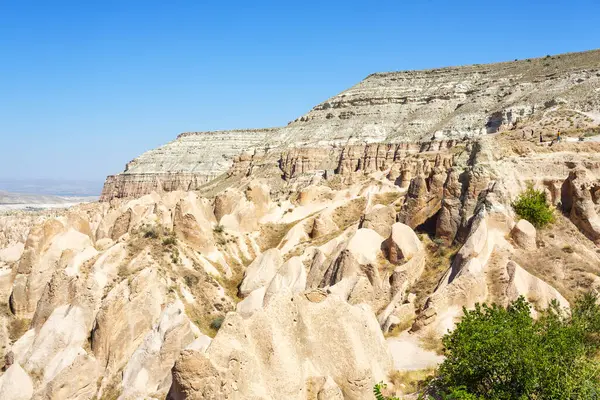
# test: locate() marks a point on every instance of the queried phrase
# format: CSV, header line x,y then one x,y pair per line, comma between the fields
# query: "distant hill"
x,y
20,201
52,187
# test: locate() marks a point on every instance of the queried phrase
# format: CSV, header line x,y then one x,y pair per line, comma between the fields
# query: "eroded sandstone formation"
x,y
382,212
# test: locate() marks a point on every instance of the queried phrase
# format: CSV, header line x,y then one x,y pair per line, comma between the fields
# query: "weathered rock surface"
x,y
263,357
524,234
404,108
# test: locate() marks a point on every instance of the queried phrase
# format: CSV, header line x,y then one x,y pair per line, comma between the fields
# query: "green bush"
x,y
216,323
151,232
169,240
219,229
532,206
498,353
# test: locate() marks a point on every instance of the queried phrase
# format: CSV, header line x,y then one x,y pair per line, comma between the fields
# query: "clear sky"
x,y
86,86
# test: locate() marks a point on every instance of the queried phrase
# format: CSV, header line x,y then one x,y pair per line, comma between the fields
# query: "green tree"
x,y
498,353
532,206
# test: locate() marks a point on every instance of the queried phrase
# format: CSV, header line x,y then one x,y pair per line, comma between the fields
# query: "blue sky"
x,y
86,86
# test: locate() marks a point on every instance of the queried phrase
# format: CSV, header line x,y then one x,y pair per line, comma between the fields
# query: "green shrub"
x,y
219,229
151,232
216,323
175,258
170,240
503,353
532,206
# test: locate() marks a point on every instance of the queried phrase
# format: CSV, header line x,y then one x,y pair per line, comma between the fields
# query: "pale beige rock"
x,y
129,310
186,163
355,356
314,194
524,235
323,225
251,303
330,391
402,244
57,344
290,277
193,221
78,381
380,219
226,202
104,244
535,290
35,273
382,110
148,371
317,270
12,253
261,271
364,245
577,200
15,384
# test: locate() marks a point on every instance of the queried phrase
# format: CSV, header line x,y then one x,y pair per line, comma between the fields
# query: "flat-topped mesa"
x,y
186,163
435,105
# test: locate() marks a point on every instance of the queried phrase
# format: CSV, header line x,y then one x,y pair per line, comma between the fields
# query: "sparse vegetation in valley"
x,y
532,206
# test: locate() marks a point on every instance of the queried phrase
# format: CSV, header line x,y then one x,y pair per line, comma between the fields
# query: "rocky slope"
x,y
303,277
300,272
394,107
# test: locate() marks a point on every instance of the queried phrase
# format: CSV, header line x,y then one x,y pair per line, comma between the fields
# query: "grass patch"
x,y
438,260
430,341
17,328
386,198
170,240
349,213
202,320
568,249
111,391
216,323
401,327
150,232
272,234
231,285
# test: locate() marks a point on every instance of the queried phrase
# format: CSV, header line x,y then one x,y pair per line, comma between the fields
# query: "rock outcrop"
x,y
398,112
264,356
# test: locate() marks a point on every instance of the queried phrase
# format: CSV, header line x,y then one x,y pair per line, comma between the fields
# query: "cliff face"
x,y
186,163
396,107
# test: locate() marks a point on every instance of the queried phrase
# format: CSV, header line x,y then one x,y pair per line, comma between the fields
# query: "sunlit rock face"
x,y
391,107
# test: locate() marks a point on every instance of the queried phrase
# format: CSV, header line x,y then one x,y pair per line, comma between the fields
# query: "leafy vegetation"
x,y
377,392
498,353
216,323
219,229
170,240
532,206
150,232
501,353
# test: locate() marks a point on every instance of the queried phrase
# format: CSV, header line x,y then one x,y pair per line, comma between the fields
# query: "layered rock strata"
x,y
407,107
